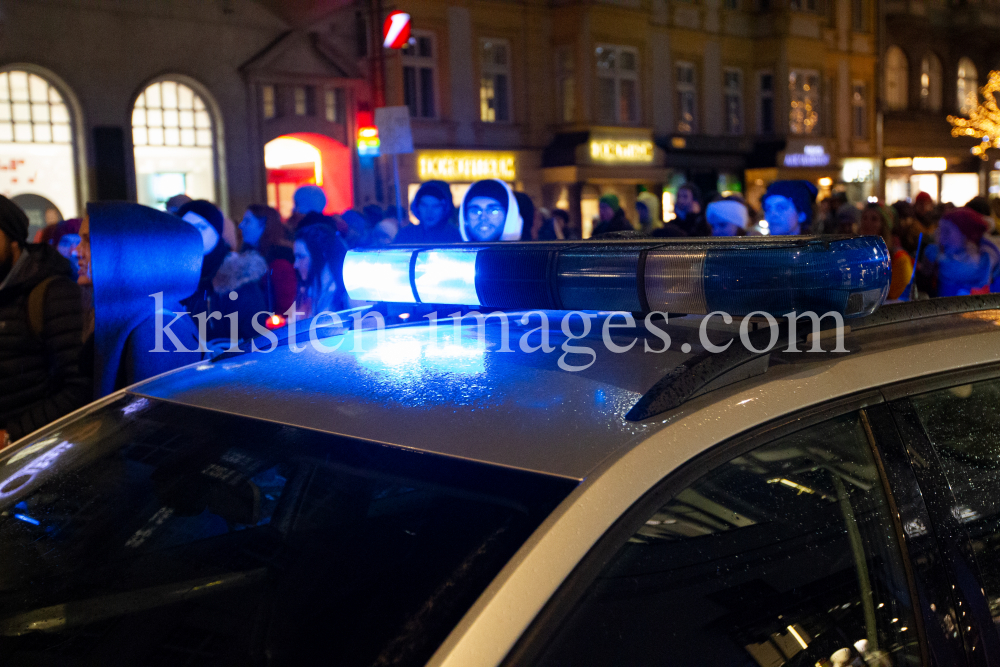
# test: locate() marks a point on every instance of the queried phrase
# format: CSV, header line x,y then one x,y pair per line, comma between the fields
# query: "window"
x,y
333,105
494,81
733,92
784,555
36,141
859,15
897,73
617,85
859,101
173,134
766,102
419,69
305,101
268,102
803,89
963,425
566,84
968,86
687,107
930,83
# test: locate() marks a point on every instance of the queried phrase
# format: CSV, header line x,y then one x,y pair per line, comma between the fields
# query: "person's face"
x,y
83,276
69,247
605,212
486,218
924,206
685,201
722,228
871,223
302,260
209,237
430,210
781,215
950,238
252,228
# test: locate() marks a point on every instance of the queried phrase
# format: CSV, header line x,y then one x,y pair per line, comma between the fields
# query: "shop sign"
x,y
930,164
611,150
466,166
858,170
899,162
811,156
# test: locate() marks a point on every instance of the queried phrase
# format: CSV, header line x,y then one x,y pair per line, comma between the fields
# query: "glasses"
x,y
491,212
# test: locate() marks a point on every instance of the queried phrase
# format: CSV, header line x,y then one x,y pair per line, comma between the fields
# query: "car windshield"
x,y
150,533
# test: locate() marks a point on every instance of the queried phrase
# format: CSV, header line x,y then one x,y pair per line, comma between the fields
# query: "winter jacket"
x,y
960,273
693,225
39,375
281,283
618,223
240,273
443,232
143,262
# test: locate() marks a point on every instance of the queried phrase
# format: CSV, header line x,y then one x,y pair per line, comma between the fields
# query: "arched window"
x,y
930,83
37,161
173,134
968,86
897,72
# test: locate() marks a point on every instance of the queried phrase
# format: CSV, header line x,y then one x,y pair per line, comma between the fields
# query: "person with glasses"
x,y
490,213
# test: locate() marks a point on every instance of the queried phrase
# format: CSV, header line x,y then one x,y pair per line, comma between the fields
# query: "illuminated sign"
x,y
811,156
899,162
858,170
460,166
368,142
610,150
930,164
396,30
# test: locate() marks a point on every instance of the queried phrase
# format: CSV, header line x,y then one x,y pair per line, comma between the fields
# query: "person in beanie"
x,y
728,217
490,213
612,217
41,331
433,207
963,263
788,207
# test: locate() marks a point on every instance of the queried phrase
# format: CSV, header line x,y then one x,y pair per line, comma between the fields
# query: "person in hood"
x,y
490,213
129,252
230,281
728,217
434,208
964,263
788,207
41,327
647,206
612,216
264,233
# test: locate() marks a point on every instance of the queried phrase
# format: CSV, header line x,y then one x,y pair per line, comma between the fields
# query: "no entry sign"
x,y
396,30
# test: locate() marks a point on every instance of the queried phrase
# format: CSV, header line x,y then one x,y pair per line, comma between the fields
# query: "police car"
x,y
638,483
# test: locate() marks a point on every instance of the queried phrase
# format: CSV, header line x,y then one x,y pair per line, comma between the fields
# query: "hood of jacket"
x,y
512,225
37,262
135,252
238,269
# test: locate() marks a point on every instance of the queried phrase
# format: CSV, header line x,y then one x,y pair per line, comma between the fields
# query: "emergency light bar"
x,y
778,275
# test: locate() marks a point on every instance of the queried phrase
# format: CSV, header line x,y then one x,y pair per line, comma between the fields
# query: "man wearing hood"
x,y
141,263
433,207
490,213
788,207
40,331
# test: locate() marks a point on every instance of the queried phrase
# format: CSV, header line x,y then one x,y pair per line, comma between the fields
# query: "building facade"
x,y
937,56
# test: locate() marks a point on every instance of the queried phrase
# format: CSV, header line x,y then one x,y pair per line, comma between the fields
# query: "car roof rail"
x,y
707,371
908,311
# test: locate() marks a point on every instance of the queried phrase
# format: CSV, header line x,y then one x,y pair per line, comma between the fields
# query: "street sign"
x,y
394,130
396,30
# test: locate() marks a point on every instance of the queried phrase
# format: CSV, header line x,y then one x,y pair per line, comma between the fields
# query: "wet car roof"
x,y
434,391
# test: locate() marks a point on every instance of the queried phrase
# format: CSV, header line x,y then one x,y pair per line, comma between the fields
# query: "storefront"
x,y
800,161
944,179
582,167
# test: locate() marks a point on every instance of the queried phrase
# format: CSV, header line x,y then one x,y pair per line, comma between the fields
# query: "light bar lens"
x,y
379,275
776,275
447,276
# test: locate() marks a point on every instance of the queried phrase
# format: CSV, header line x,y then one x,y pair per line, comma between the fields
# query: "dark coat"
x,y
138,252
618,223
39,376
241,273
443,232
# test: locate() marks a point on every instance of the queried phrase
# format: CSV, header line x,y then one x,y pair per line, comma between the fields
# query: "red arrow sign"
x,y
396,30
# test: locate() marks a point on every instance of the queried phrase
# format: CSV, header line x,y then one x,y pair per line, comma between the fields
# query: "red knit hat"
x,y
922,197
970,223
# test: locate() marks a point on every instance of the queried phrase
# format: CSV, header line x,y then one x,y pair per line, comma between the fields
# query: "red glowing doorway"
x,y
303,158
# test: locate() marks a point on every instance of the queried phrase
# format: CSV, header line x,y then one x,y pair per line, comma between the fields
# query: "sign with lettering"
x,y
625,150
466,166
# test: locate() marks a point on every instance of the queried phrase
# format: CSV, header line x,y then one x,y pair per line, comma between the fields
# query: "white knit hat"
x,y
728,211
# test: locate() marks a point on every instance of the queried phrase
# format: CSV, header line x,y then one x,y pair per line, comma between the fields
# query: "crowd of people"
x,y
76,321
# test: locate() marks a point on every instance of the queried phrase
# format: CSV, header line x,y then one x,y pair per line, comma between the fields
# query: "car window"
x,y
149,533
963,425
784,555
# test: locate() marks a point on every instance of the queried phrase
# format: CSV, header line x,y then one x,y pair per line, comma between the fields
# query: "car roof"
x,y
437,389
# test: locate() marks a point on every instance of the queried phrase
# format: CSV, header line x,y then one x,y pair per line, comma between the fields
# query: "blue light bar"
x,y
777,275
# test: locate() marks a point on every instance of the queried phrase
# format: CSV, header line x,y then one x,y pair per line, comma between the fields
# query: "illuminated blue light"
x,y
27,519
447,276
383,275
